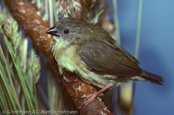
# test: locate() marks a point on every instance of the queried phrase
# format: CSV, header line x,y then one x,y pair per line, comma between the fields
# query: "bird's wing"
x,y
105,58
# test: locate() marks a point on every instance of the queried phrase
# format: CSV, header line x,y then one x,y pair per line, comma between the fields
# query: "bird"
x,y
96,58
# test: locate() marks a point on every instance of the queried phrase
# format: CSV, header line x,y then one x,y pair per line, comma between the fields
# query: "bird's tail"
x,y
152,77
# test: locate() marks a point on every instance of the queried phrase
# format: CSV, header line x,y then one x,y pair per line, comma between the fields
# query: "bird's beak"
x,y
53,31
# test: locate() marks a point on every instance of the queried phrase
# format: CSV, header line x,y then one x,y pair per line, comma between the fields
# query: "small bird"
x,y
94,55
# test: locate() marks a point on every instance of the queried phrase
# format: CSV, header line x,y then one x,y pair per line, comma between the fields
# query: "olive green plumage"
x,y
94,55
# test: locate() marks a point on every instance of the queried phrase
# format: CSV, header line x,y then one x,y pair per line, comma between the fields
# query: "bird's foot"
x,y
93,96
90,95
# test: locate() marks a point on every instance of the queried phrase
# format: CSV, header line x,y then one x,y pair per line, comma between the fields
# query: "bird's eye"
x,y
66,31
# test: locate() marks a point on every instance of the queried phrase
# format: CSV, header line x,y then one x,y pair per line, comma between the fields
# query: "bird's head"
x,y
75,31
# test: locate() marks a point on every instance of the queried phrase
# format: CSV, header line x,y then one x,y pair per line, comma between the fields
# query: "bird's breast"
x,y
66,55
